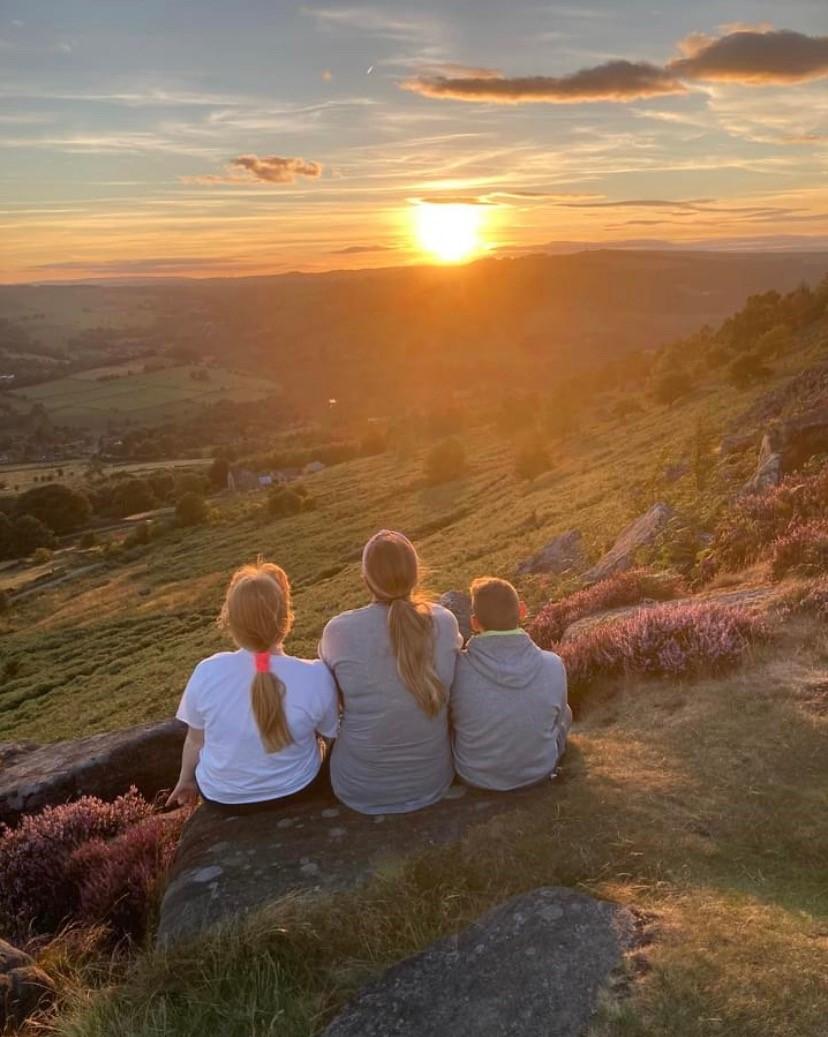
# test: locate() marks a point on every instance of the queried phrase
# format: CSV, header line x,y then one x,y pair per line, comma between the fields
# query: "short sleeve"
x,y
328,723
189,708
326,645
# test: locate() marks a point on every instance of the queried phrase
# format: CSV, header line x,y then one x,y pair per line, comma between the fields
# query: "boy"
x,y
508,700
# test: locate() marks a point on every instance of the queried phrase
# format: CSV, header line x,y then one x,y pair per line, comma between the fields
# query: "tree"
x,y
282,501
59,507
6,537
748,369
445,461
702,454
671,386
131,496
29,533
191,510
532,459
218,472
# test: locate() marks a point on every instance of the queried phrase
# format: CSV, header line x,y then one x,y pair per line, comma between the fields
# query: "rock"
x,y
459,602
535,966
262,857
769,466
804,436
562,554
12,751
23,986
674,472
101,765
637,534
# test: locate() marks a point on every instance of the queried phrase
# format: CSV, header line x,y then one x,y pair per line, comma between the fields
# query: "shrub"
x,y
747,370
282,501
139,536
627,588
665,641
118,879
60,508
88,540
532,459
812,599
132,496
445,461
671,386
803,547
37,894
191,510
28,534
755,521
41,556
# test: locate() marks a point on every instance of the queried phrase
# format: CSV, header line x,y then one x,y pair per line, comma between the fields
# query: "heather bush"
x,y
37,893
665,641
803,547
626,588
810,599
117,879
755,521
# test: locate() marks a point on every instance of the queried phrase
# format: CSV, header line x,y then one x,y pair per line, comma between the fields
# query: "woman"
x,y
394,663
254,715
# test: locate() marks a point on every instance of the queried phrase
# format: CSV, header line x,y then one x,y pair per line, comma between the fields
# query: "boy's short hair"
x,y
495,603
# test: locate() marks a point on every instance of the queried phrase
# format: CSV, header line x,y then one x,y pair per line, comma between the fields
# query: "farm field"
x,y
20,477
146,397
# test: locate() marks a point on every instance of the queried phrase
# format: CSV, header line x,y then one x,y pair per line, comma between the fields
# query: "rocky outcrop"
x,y
562,554
769,466
459,602
787,446
228,865
643,531
535,966
23,987
104,765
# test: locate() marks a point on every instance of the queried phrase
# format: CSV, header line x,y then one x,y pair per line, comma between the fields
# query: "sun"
x,y
449,231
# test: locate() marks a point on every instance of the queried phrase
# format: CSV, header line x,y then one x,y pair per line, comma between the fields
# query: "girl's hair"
x,y
257,614
391,569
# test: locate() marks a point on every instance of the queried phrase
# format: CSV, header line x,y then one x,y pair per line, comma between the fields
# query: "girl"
x,y
394,663
254,714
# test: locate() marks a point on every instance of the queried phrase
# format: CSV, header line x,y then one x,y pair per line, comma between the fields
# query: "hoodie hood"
x,y
507,660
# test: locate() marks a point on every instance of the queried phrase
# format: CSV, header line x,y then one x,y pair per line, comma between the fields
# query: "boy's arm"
x,y
185,792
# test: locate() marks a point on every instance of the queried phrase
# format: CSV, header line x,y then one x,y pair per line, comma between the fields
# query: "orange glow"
x,y
450,232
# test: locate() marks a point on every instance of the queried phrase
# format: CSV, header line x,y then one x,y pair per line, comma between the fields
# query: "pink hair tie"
x,y
262,662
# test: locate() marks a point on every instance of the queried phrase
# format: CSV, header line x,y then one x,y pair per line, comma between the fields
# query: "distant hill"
x,y
386,338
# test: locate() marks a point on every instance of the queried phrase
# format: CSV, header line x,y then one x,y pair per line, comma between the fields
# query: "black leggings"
x,y
318,790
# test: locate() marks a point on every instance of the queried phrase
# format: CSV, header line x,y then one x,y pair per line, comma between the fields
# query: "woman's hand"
x,y
184,794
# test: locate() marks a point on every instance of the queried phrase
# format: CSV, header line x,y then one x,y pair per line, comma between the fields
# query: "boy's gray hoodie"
x,y
509,711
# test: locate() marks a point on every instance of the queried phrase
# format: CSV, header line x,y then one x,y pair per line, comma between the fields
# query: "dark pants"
x,y
319,790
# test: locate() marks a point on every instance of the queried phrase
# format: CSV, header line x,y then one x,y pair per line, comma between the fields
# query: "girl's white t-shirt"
x,y
234,766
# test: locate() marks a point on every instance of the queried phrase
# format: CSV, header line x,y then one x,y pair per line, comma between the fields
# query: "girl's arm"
x,y
185,792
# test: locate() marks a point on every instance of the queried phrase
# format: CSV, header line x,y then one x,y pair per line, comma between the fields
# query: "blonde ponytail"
x,y
258,615
390,567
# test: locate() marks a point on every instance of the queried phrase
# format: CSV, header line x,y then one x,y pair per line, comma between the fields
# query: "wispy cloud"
x,y
374,21
356,250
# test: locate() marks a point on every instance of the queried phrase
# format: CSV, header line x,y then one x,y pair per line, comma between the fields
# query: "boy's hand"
x,y
184,794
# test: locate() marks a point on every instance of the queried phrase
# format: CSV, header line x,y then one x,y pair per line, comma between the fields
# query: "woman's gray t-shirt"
x,y
390,757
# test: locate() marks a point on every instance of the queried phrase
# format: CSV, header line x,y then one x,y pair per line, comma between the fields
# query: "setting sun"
x,y
451,232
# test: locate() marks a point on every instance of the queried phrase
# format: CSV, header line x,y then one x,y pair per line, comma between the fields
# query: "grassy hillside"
x,y
115,646
700,803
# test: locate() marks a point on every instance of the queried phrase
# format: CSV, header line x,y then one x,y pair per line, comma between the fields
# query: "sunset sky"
x,y
206,137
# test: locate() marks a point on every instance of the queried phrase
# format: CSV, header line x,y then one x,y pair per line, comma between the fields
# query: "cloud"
x,y
749,55
155,265
355,250
612,81
752,56
373,21
266,169
276,170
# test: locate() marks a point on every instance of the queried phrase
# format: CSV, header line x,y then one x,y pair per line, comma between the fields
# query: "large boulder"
x,y
804,436
639,533
459,602
562,554
535,966
23,987
226,866
769,466
106,765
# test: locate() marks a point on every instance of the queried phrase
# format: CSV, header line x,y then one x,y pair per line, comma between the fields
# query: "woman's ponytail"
x,y
390,567
267,695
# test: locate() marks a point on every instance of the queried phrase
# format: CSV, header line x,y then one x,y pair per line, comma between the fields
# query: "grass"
x,y
142,397
17,478
701,804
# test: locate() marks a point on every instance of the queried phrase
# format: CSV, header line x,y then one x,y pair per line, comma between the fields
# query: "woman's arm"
x,y
185,792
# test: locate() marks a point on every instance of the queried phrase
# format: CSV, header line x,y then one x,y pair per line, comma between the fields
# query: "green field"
x,y
138,398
